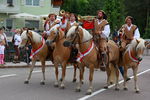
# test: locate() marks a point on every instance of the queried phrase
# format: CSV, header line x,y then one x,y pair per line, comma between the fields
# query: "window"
x,y
10,2
32,24
33,2
9,24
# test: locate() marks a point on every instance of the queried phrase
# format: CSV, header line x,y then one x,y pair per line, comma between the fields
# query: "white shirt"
x,y
106,31
17,39
136,32
63,25
71,23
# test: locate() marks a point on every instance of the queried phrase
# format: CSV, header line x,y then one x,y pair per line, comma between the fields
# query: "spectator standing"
x,y
2,47
17,40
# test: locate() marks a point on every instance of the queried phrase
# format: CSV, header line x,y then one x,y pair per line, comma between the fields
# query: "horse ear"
x,y
137,41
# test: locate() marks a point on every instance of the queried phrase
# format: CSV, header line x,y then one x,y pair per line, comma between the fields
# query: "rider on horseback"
x,y
128,32
102,31
49,23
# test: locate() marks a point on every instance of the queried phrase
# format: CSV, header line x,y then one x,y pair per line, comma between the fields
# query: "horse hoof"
x,y
62,87
137,91
26,82
42,83
117,89
89,93
105,87
78,90
125,89
74,80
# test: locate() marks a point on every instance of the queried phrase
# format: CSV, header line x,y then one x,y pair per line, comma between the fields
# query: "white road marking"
x,y
102,90
37,71
9,75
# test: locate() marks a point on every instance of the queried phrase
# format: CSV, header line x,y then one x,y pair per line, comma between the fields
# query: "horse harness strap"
x,y
35,51
132,57
83,54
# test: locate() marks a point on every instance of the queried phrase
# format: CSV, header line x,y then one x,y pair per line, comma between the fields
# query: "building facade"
x,y
9,8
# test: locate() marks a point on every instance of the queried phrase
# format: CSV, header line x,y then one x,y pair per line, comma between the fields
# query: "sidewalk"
x,y
23,64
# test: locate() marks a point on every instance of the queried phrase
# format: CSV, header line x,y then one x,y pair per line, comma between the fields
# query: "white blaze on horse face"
x,y
24,39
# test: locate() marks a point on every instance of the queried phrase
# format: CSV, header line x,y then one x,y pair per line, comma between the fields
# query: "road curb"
x,y
22,66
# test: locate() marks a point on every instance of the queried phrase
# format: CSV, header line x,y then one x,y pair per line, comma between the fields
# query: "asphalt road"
x,y
12,85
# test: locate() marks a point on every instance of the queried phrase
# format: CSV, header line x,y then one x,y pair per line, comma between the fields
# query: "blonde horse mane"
x,y
133,44
36,37
141,44
86,34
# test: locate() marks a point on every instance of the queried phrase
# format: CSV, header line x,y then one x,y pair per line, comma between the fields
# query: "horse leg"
x,y
117,78
81,69
125,78
56,73
89,91
82,78
31,69
74,76
62,86
43,72
108,71
135,79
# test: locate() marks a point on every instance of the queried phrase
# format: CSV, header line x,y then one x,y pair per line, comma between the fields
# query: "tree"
x,y
82,7
139,11
115,12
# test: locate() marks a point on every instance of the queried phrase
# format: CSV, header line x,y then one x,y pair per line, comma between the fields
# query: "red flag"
x,y
88,24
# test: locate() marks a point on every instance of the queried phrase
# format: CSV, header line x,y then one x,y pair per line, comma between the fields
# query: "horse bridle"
x,y
28,39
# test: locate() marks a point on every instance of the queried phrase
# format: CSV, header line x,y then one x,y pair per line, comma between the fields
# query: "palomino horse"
x,y
114,55
88,52
131,59
39,51
61,54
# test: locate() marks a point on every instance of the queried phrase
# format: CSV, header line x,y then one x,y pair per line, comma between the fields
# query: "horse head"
x,y
55,34
72,36
136,49
140,48
77,35
29,36
25,38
